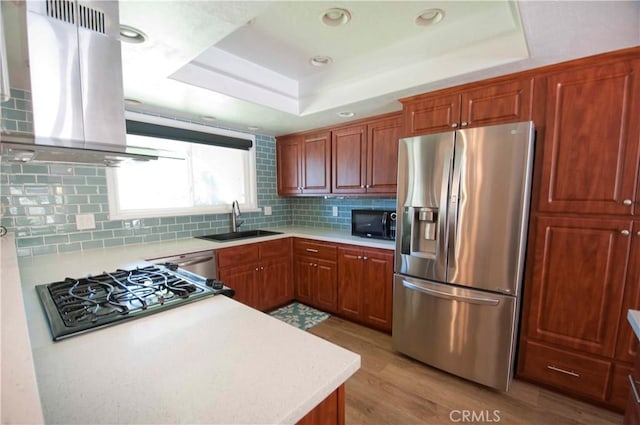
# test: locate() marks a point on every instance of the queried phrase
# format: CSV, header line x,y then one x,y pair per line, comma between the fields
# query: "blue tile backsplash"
x,y
39,202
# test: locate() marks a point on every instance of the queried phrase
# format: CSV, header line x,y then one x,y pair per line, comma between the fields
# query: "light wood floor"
x,y
391,388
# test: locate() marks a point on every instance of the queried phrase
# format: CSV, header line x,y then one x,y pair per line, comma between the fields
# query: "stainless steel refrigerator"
x,y
463,209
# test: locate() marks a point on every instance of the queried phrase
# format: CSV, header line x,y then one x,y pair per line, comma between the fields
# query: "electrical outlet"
x,y
334,211
85,221
267,211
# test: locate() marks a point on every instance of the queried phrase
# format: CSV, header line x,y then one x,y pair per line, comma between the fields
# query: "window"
x,y
207,181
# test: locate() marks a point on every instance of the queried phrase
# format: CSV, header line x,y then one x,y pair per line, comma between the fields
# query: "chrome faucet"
x,y
235,214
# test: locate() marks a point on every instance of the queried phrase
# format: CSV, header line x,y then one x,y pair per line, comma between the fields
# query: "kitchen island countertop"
x,y
211,361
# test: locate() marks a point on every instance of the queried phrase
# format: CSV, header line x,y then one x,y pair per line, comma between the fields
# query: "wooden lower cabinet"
x,y
348,280
259,273
329,412
244,281
584,277
316,271
565,370
365,280
276,282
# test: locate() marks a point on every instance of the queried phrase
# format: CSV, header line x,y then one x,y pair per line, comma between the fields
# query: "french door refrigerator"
x,y
463,209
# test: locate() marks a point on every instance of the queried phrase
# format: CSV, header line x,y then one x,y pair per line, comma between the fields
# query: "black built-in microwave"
x,y
377,224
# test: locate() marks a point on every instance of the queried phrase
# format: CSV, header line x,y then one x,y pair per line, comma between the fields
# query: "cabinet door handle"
x,y
311,250
624,232
638,233
566,372
365,258
359,257
464,124
454,125
261,268
315,265
367,186
627,202
362,186
632,382
256,269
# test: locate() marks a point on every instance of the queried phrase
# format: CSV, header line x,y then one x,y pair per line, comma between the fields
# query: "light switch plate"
x,y
267,211
335,211
85,221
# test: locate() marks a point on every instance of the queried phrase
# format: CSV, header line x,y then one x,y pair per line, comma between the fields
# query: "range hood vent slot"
x,y
62,10
88,18
91,19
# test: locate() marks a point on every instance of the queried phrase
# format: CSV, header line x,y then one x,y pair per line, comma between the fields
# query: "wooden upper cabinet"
x,y
591,140
289,160
431,114
627,345
509,101
382,155
576,291
355,159
365,157
304,164
349,147
316,163
469,106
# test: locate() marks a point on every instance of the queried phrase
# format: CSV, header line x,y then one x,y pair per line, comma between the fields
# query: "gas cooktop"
x,y
75,306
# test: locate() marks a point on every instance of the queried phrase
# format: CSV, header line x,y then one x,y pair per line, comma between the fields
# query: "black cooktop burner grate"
x,y
77,305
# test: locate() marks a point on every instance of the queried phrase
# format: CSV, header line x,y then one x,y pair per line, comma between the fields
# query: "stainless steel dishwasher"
x,y
202,263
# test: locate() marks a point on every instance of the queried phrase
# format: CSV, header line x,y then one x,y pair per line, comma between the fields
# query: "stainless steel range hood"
x,y
23,148
75,68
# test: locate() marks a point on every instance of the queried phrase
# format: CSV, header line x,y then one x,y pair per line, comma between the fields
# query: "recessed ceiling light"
x,y
131,34
346,114
208,118
132,102
429,17
320,60
253,128
335,17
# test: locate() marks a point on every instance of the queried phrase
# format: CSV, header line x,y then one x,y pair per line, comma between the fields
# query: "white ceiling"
x,y
247,62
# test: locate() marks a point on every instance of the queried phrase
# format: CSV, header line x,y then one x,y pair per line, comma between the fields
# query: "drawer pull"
x,y
566,372
632,382
311,250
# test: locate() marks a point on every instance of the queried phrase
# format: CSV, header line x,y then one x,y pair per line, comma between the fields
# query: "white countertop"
x,y
212,361
95,261
20,402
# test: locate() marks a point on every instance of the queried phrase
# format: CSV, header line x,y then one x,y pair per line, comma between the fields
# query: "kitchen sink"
x,y
230,236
